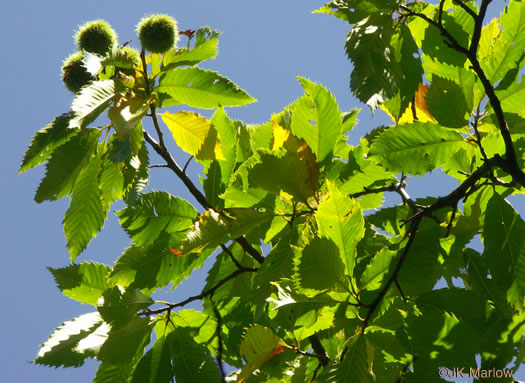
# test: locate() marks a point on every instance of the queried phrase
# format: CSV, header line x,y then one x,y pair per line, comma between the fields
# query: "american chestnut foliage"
x,y
313,279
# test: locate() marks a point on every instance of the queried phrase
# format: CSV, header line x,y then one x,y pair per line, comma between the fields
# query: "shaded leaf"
x,y
191,362
213,229
286,171
125,342
83,282
65,164
46,140
61,347
318,266
154,213
340,219
85,215
91,102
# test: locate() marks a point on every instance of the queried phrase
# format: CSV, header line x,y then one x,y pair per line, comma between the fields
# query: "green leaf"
x,y
155,266
259,345
65,164
341,220
85,215
136,174
46,140
377,270
154,213
155,366
206,48
62,347
228,139
125,342
356,366
505,248
213,229
200,88
318,266
416,148
501,46
377,75
446,102
118,306
290,172
314,321
91,102
512,97
317,119
111,182
127,112
191,361
82,282
114,373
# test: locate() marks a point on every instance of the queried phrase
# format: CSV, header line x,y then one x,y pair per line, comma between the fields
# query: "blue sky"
x,y
264,45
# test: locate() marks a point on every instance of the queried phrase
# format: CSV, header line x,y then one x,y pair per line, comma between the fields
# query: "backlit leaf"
x,y
416,148
317,119
200,88
65,164
85,215
91,102
46,140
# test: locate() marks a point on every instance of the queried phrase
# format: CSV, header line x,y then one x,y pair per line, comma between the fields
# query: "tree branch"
x,y
170,162
202,295
219,336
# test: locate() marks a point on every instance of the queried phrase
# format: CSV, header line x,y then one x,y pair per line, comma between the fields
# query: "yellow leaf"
x,y
280,135
422,112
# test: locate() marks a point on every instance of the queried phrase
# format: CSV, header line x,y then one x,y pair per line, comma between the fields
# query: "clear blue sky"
x,y
264,45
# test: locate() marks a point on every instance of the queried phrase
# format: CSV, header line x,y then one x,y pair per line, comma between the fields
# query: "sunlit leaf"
x,y
200,88
91,102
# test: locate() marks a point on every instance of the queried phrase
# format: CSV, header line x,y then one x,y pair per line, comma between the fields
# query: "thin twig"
x,y
219,337
202,295
165,154
466,8
230,254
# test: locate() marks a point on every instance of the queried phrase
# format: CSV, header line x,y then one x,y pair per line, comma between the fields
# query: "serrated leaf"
x,y
60,348
127,112
83,282
125,342
200,88
213,229
46,140
155,266
318,266
228,139
111,182
286,171
118,306
317,119
113,373
377,270
194,134
206,48
155,366
85,215
340,219
505,249
154,213
65,164
446,103
91,102
191,361
501,46
416,148
354,367
314,321
259,345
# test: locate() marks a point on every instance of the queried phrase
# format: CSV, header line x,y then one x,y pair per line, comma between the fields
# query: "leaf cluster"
x,y
313,278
